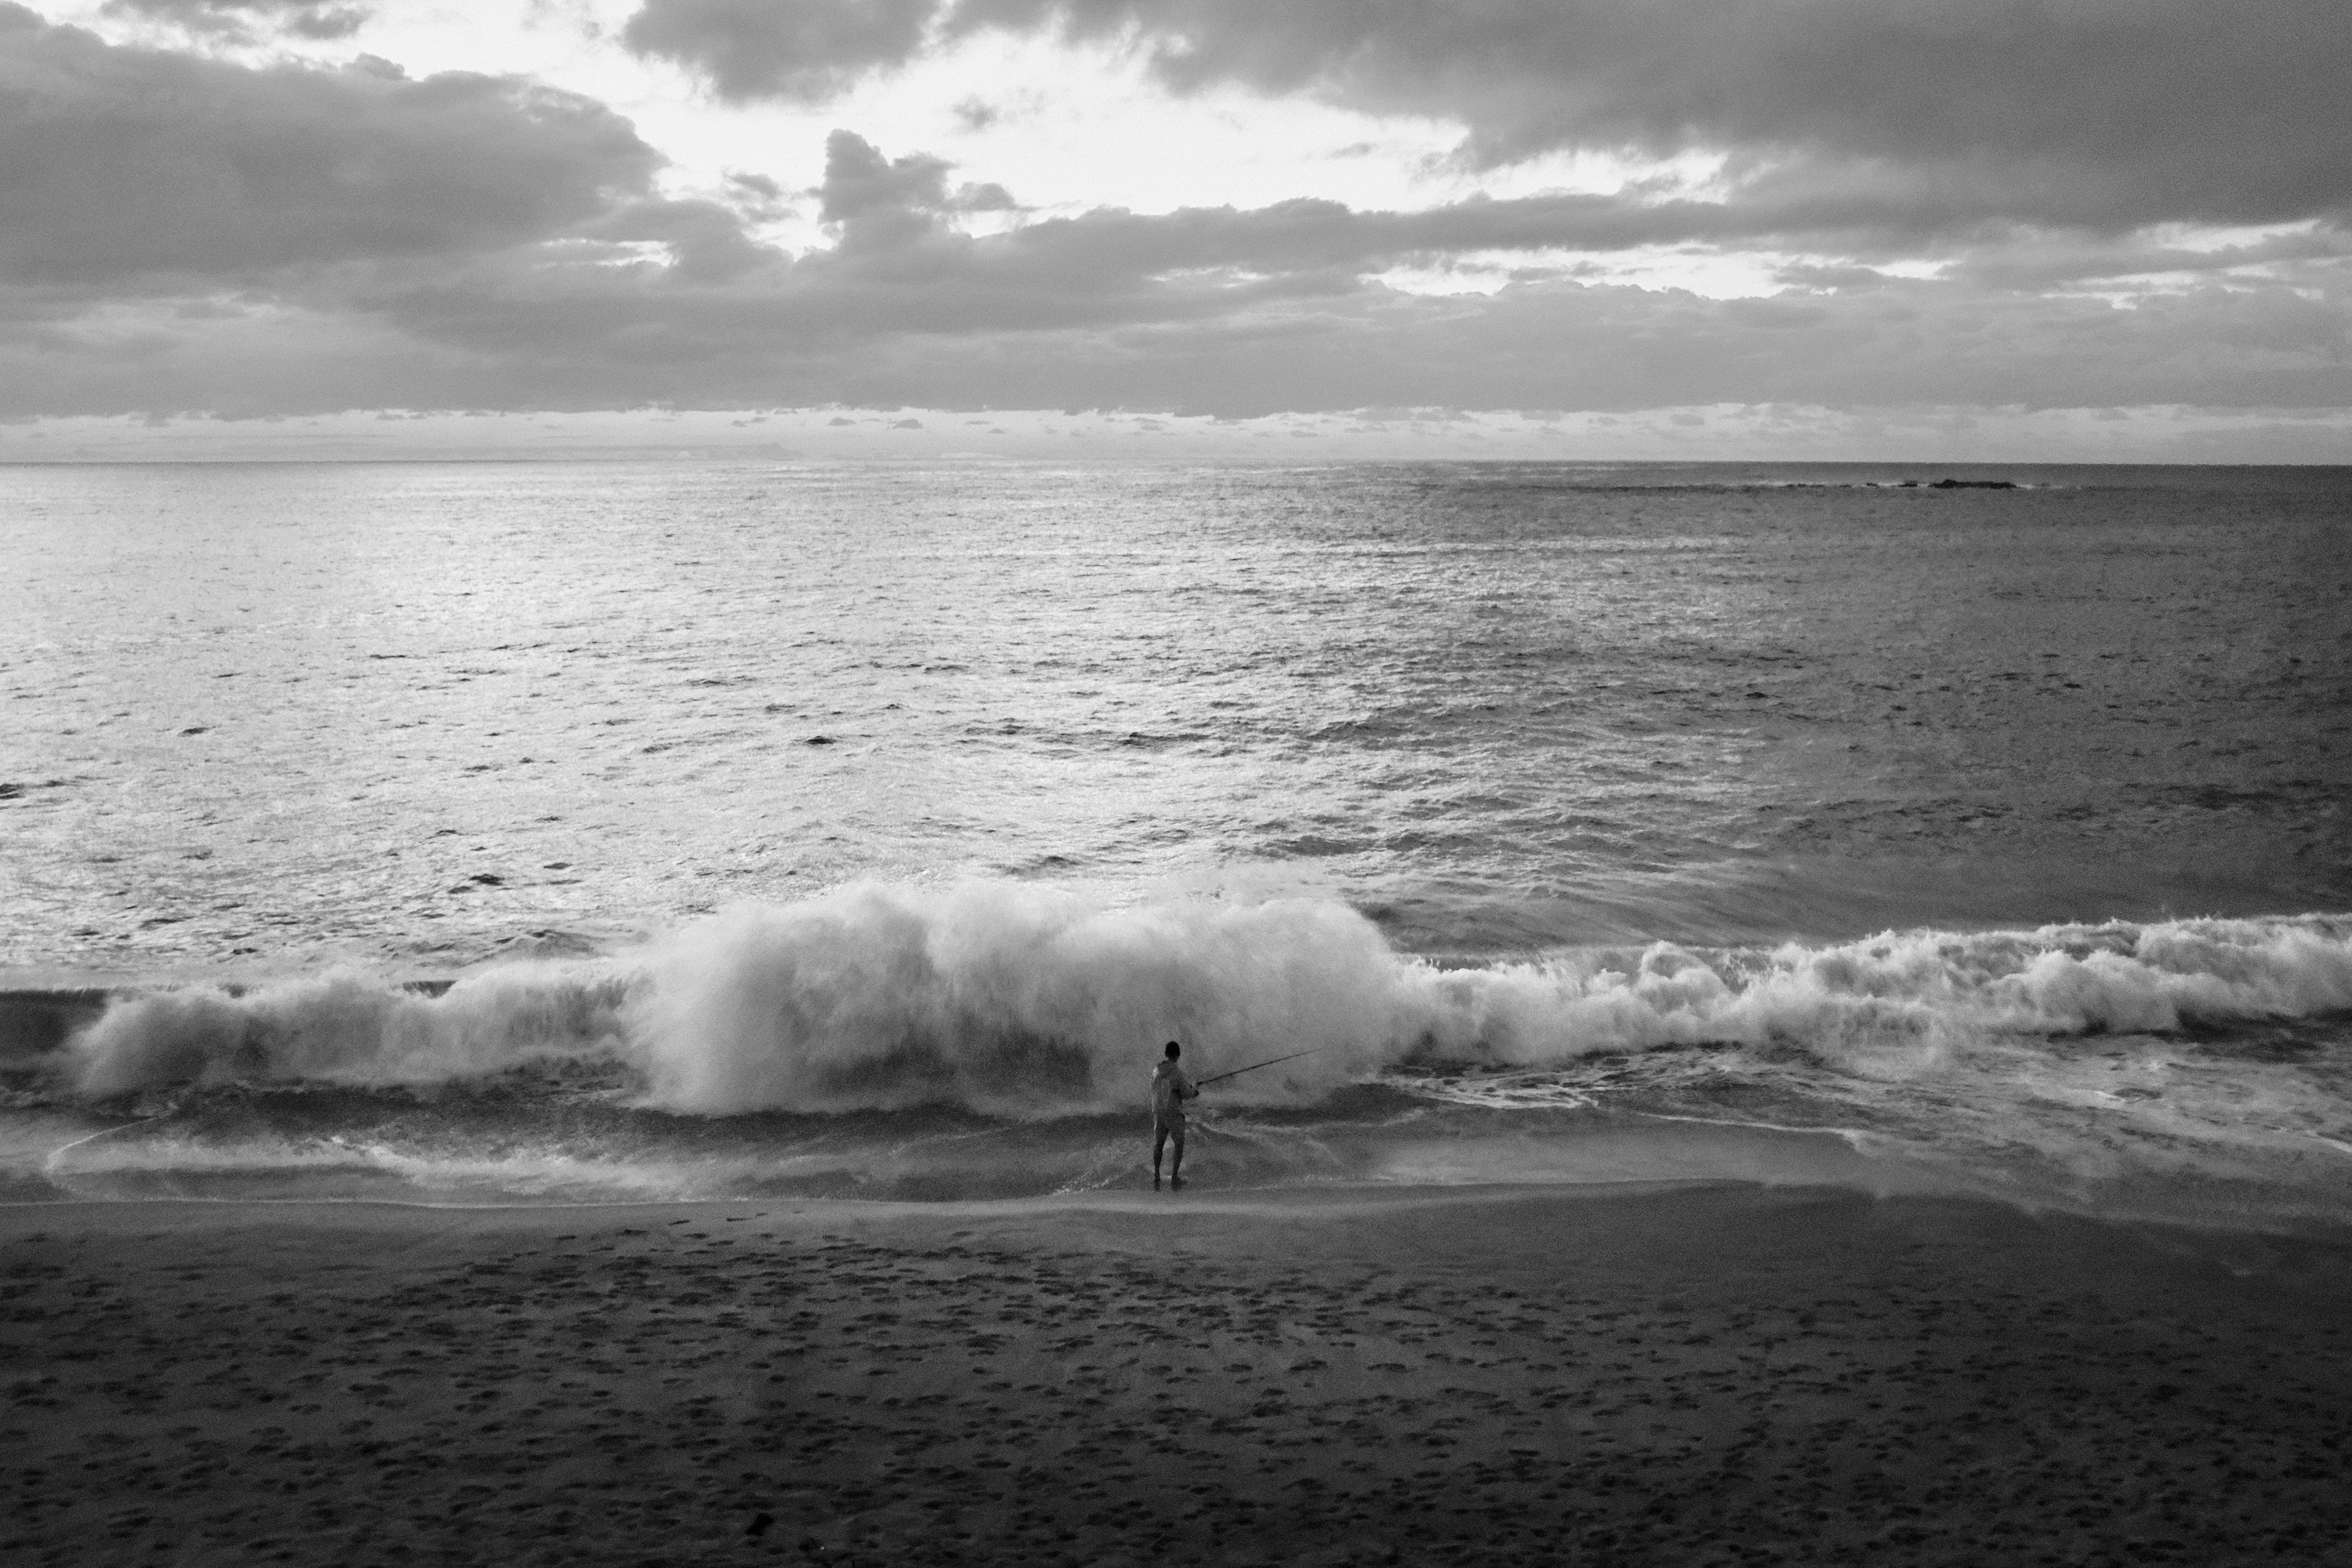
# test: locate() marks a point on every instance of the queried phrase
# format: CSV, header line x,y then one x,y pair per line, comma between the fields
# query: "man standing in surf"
x,y
1169,1090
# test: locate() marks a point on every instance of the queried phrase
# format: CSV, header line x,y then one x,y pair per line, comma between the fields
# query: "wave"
x,y
351,1028
1013,999
1853,1001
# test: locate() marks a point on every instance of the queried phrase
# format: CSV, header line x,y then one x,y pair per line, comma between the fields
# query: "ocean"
x,y
576,832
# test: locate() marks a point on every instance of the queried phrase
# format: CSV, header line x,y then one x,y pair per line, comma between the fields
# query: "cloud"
x,y
879,203
118,161
804,51
243,21
702,242
2112,113
859,182
187,233
758,195
1224,312
980,342
976,331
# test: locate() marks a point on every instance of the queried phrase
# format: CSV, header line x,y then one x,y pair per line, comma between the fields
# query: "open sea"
x,y
576,832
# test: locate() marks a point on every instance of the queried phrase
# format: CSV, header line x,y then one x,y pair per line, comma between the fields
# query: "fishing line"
x,y
1254,1066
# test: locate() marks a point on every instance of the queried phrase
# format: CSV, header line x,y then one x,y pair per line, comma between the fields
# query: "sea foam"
x,y
1001,995
348,1028
1014,998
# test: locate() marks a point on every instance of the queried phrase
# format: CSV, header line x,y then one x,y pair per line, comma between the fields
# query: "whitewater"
x,y
571,833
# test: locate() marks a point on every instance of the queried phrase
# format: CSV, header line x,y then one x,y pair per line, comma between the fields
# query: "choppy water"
x,y
864,829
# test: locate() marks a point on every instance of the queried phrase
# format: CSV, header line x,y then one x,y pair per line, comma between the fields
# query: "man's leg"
x,y
1159,1142
1176,1166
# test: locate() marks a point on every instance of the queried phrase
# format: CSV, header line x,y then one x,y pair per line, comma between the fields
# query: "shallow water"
x,y
1023,769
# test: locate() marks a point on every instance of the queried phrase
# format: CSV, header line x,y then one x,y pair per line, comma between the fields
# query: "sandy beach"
x,y
1686,1375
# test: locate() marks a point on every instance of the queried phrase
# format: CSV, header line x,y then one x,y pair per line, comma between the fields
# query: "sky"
x,y
1968,229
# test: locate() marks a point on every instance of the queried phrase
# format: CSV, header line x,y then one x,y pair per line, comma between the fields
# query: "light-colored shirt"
x,y
1169,1090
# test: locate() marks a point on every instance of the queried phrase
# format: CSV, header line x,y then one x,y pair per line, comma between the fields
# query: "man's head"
x,y
1174,1050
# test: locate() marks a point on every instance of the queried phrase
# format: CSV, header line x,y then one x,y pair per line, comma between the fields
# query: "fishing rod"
x,y
1254,1066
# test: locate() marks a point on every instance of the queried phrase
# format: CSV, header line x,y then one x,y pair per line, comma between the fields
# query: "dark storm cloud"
x,y
2105,112
117,162
245,20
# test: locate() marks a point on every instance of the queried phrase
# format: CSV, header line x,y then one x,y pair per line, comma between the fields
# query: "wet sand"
x,y
1671,1375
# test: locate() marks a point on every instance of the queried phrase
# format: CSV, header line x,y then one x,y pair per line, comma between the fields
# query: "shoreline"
x,y
1298,1201
1650,1373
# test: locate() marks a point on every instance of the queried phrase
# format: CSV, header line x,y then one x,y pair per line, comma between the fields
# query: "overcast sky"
x,y
2057,227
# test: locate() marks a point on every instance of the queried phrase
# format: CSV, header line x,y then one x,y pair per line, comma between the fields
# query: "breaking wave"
x,y
1015,999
